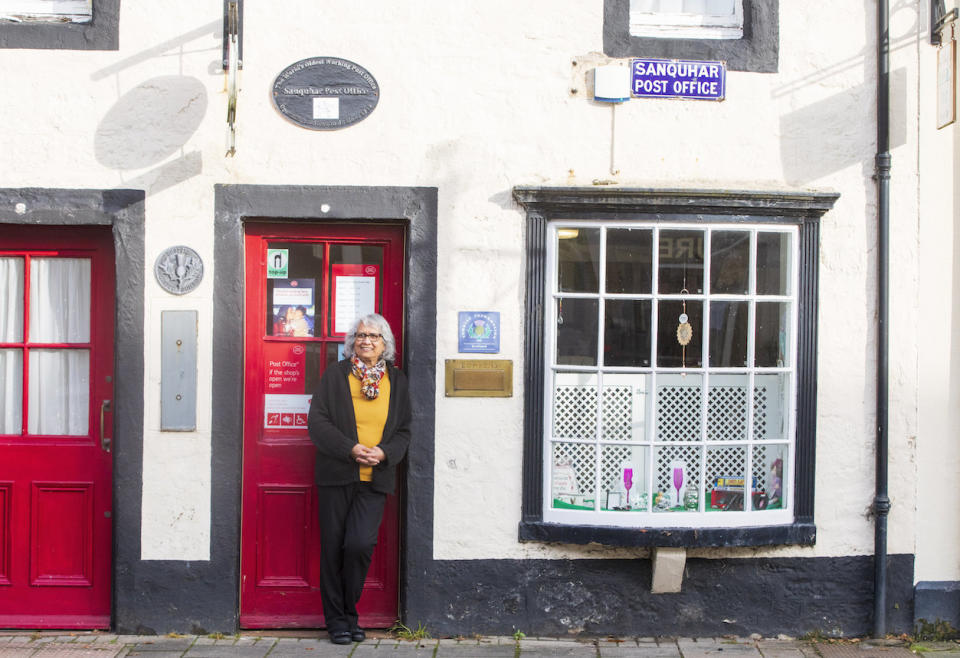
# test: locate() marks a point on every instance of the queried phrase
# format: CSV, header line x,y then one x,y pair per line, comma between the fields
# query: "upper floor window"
x,y
70,11
687,19
60,24
743,33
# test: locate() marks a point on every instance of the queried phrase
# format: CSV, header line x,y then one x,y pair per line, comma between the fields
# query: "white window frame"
x,y
54,11
660,519
679,25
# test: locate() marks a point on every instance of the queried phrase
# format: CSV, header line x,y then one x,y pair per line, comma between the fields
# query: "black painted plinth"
x,y
937,601
725,596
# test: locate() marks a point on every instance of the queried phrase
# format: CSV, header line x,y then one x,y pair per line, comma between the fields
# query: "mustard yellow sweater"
x,y
371,417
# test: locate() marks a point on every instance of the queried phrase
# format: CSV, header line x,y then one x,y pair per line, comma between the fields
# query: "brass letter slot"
x,y
479,378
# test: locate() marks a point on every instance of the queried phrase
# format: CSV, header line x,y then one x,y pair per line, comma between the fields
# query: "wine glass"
x,y
628,482
678,480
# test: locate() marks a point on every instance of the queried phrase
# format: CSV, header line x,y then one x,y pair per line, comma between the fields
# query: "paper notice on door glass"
x,y
355,297
285,411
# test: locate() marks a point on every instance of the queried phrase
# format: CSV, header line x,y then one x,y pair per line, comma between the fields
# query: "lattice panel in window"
x,y
582,458
760,412
575,412
760,465
617,413
727,413
725,462
667,455
678,413
613,457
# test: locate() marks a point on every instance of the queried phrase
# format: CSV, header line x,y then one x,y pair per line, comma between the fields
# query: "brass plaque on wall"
x,y
479,378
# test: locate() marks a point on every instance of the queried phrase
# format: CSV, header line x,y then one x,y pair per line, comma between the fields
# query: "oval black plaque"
x,y
325,93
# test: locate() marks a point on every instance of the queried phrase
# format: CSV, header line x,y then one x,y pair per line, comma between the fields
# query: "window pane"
x,y
728,334
769,469
356,279
629,260
729,262
681,261
678,479
572,476
577,332
720,7
626,338
771,335
670,353
11,300
578,260
624,410
292,303
59,398
773,263
11,391
575,406
679,407
623,482
726,468
771,407
60,300
727,408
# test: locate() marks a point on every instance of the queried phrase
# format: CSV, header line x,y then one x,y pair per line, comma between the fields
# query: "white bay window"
x,y
646,425
670,369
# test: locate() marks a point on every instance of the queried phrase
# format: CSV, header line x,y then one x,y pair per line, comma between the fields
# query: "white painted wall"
x,y
938,449
475,100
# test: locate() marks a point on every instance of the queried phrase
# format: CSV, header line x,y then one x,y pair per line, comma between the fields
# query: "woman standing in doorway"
x,y
360,423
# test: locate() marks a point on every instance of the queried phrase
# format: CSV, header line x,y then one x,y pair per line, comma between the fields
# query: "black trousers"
x,y
349,518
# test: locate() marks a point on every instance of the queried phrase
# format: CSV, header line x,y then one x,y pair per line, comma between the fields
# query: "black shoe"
x,y
357,635
341,637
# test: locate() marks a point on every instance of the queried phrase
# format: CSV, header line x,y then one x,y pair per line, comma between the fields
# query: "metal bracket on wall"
x,y
939,17
232,27
232,63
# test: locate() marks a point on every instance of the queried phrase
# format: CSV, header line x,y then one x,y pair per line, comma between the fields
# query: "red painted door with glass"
x,y
304,286
56,364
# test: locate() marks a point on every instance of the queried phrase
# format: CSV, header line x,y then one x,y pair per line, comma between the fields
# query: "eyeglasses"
x,y
373,337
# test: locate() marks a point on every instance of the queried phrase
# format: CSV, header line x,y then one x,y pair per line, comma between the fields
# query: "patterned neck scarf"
x,y
369,376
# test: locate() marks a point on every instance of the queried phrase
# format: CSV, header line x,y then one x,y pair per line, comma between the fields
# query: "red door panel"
x,y
56,361
303,286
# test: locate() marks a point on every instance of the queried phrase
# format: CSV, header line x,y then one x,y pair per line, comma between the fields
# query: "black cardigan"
x,y
333,429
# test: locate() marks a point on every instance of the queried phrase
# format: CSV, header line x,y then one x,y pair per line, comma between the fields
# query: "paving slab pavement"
x,y
382,645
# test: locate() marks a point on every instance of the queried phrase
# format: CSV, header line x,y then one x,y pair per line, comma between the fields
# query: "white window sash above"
x,y
67,11
687,19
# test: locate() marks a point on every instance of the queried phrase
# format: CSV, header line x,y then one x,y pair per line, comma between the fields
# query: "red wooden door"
x,y
56,367
304,286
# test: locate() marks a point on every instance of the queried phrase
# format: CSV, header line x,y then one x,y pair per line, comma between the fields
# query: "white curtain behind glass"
x,y
58,401
59,397
11,331
59,300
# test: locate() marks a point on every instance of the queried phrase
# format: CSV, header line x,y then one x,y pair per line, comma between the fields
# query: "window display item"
x,y
678,468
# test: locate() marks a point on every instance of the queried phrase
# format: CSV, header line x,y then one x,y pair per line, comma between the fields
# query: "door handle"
x,y
105,441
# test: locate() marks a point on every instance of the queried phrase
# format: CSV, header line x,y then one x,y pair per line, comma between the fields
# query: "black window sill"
x,y
801,533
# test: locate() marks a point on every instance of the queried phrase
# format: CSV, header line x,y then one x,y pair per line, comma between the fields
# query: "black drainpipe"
x,y
881,502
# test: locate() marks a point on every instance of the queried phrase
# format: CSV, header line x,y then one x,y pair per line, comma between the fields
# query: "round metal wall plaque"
x,y
325,93
178,270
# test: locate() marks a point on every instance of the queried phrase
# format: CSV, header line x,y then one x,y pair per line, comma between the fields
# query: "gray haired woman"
x,y
360,423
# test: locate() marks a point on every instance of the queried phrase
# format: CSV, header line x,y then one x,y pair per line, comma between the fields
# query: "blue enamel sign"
x,y
479,332
673,78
